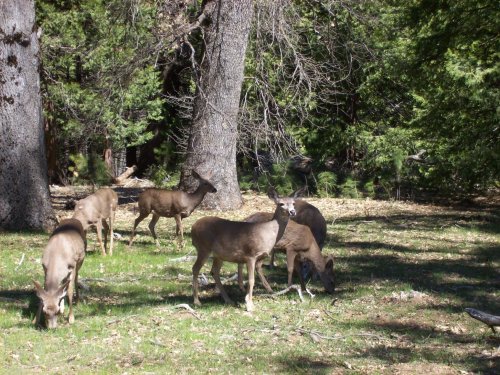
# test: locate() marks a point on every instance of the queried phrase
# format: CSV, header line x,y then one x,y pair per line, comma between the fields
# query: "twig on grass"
x,y
316,335
229,279
20,262
188,308
284,291
157,343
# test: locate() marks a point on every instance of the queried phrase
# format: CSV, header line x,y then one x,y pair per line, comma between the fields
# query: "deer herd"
x,y
246,242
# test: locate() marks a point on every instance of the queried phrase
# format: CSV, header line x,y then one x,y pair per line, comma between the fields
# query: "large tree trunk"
x,y
212,143
24,188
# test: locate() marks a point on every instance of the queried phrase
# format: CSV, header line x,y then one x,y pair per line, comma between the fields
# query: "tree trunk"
x,y
212,142
24,188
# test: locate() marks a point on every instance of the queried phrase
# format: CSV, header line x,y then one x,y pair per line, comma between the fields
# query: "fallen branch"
x,y
491,321
229,279
315,335
121,179
158,343
284,291
20,262
188,308
185,258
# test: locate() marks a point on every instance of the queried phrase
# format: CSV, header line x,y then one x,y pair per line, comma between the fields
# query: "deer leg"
x,y
77,299
290,263
71,317
111,225
262,278
178,228
200,261
152,225
137,221
106,231
38,317
271,262
99,236
216,266
251,282
298,269
240,277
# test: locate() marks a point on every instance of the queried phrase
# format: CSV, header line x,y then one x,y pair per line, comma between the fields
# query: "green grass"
x,y
127,321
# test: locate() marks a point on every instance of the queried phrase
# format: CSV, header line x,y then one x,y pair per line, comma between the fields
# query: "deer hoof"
x,y
71,319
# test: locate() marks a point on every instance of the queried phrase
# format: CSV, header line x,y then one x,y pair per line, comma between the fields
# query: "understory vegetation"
x,y
405,273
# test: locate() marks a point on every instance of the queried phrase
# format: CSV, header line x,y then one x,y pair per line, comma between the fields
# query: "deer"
x,y
95,210
61,260
171,203
300,244
239,242
308,215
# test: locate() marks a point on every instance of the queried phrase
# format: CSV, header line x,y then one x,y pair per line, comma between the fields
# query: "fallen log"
x,y
121,179
491,321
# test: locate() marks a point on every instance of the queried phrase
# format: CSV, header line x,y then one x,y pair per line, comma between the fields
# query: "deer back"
x,y
64,252
309,215
96,207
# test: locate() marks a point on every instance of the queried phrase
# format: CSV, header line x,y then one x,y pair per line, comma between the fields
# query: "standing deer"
x,y
62,258
299,244
94,210
239,242
171,203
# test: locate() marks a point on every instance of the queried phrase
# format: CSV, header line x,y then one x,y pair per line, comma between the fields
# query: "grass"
x,y
128,322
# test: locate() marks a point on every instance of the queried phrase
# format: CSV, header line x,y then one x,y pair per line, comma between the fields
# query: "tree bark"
x,y
212,142
24,188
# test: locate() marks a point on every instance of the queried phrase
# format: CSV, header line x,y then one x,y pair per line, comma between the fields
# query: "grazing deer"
x,y
171,203
299,244
239,242
308,215
62,258
94,210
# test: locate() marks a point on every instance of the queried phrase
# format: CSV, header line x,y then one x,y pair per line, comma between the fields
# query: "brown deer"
x,y
308,215
299,244
94,210
61,260
171,203
239,242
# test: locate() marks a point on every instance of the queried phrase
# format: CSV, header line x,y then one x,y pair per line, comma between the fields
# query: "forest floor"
x,y
405,272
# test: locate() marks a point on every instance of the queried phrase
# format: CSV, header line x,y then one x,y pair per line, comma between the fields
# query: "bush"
x,y
162,178
90,169
349,189
326,184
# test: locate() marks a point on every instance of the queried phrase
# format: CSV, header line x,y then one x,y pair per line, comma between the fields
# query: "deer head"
x,y
51,301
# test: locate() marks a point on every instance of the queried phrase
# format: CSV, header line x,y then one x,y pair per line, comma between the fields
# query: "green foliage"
x,y
349,189
162,177
98,81
280,178
369,189
87,170
326,184
445,59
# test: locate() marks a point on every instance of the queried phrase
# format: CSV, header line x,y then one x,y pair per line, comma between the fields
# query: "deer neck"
x,y
196,196
316,258
281,219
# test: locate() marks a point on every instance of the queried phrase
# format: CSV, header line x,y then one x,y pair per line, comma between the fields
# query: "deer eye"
x,y
281,204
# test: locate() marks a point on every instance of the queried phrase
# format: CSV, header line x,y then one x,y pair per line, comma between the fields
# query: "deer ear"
x,y
271,193
329,262
63,289
38,289
298,193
